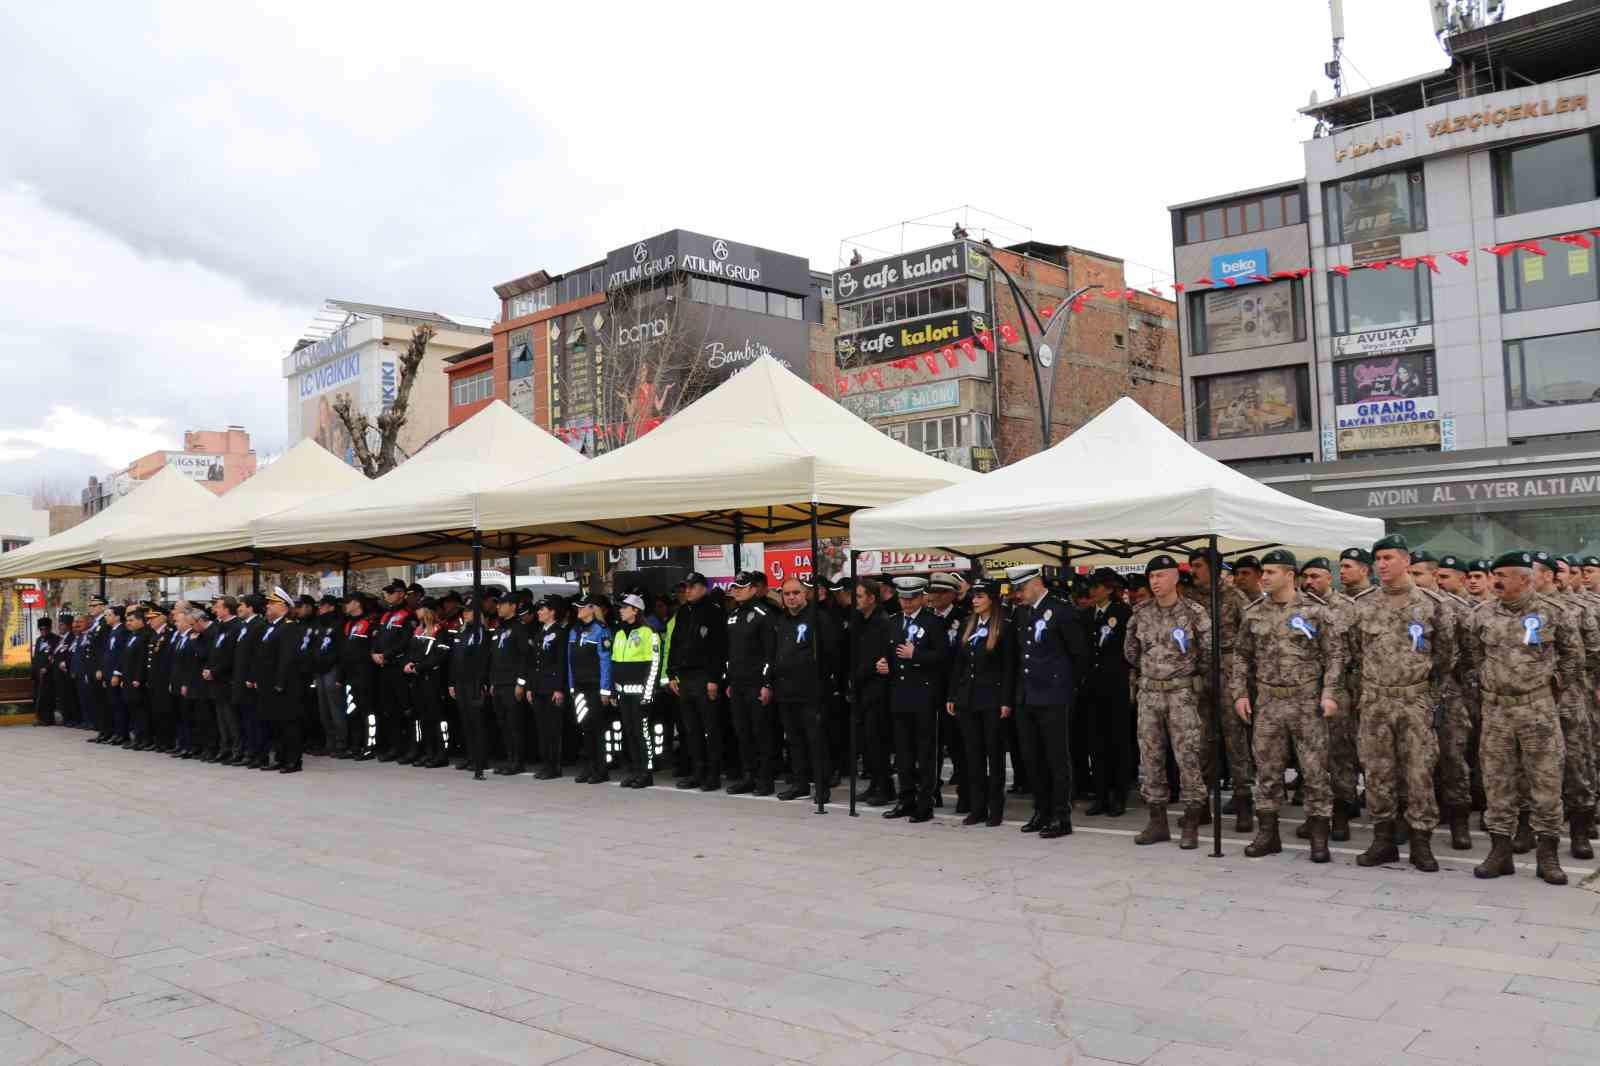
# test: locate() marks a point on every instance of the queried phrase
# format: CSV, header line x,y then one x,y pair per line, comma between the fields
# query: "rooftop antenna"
x,y
1332,67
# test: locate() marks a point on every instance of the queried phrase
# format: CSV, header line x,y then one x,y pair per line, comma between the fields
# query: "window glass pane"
x,y
1213,219
1247,317
1272,209
1374,299
1252,403
1191,227
941,298
775,303
1376,206
697,289
1546,371
717,292
1291,209
795,308
976,298
1252,216
900,306
1235,219
1547,174
1564,275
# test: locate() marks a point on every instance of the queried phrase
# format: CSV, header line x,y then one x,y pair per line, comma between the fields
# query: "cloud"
x,y
109,441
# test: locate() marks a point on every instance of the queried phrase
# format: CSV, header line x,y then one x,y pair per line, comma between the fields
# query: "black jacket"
x,y
244,649
510,649
699,641
220,655
193,653
872,639
163,660
329,639
1106,634
356,667
393,634
133,662
547,659
276,672
752,642
1055,652
917,684
983,680
469,663
806,655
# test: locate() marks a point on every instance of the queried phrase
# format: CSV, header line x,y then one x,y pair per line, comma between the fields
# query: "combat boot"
x,y
1581,848
1244,815
1319,839
1460,829
1382,848
1341,821
1523,842
1267,841
1157,831
1498,862
1422,852
1190,826
1303,830
1548,860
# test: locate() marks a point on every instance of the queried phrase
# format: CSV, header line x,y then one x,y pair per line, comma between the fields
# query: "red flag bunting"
x,y
1380,264
1342,270
1460,257
950,356
1202,280
1047,310
1230,282
931,361
1178,287
1406,262
842,384
987,340
969,350
1429,261
1577,240
877,377
1008,333
862,377
1080,305
1259,277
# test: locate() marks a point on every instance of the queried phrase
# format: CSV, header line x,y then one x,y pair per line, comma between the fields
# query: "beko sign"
x,y
680,251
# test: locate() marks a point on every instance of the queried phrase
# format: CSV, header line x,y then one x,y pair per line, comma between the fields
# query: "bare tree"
x,y
379,460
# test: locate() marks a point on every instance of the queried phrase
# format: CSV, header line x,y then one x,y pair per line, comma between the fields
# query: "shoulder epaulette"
x,y
1433,594
1255,602
1314,597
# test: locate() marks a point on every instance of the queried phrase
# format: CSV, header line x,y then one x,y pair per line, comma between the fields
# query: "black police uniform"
x,y
219,664
751,645
916,697
246,697
547,691
158,689
469,677
698,657
950,738
805,661
1107,708
360,676
1054,653
133,665
873,638
200,730
394,691
69,710
114,722
275,669
509,650
428,656
982,681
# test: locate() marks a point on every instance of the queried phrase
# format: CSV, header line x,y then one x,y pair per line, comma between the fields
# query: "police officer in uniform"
x,y
277,675
1316,580
698,656
1235,733
128,677
751,645
916,695
635,666
1105,690
1055,655
872,641
246,697
469,679
589,675
510,647
983,690
805,659
218,676
44,682
547,684
388,655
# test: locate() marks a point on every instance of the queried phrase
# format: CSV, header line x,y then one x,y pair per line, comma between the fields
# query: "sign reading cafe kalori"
x,y
923,267
1378,341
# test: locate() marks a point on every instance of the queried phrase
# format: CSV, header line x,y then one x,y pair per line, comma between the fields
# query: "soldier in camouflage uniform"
x,y
1589,584
1448,577
1168,644
1525,649
1289,646
1344,771
1405,638
1235,733
1573,702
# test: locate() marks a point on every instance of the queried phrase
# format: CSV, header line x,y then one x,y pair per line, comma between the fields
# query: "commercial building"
x,y
953,397
354,349
1458,399
219,459
21,522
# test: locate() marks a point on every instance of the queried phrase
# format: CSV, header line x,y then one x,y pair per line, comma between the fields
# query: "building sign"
x,y
926,266
1380,341
914,399
880,344
1240,265
891,563
1367,147
682,252
1249,317
1499,116
784,561
1379,248
340,372
1420,434
1386,379
198,466
1405,497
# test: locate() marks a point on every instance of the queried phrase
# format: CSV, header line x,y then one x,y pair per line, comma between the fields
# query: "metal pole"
x,y
477,574
1214,564
102,580
347,588
513,560
255,570
819,784
854,696
738,543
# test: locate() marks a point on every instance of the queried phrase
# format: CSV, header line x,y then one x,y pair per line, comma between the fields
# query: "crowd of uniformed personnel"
x,y
1440,685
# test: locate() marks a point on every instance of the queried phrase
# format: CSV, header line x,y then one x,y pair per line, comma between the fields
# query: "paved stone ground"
x,y
163,912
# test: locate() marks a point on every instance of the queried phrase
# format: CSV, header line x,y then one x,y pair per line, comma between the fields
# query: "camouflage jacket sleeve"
x,y
1244,653
1569,650
1333,646
1132,642
1449,625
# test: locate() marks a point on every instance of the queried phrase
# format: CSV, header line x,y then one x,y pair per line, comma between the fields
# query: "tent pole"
x,y
513,558
819,784
347,588
222,581
255,570
477,573
854,696
102,580
738,543
1214,565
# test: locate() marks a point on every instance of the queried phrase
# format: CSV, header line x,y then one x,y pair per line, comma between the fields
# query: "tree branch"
x,y
390,422
356,428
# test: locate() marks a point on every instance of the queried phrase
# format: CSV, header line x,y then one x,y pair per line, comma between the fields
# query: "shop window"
x,y
1563,275
1374,205
1551,371
1249,316
1378,299
1250,215
471,388
1253,403
1530,177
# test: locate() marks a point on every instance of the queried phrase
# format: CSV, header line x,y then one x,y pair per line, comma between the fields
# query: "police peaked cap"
x,y
97,600
1320,562
1359,555
944,582
986,587
1393,542
329,599
1516,557
743,580
1423,555
1275,557
1161,562
694,577
1452,562
911,586
1018,574
1106,576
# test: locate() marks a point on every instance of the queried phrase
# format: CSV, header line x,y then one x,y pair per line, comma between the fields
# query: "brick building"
x,y
219,459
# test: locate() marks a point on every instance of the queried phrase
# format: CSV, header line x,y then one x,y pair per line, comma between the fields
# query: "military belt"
x,y
1395,692
1169,684
1515,699
1283,692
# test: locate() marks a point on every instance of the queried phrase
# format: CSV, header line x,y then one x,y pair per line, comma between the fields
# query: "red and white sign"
x,y
31,598
788,560
876,563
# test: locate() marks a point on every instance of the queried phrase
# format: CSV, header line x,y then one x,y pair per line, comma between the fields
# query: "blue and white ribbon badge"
x,y
1299,623
1182,639
1415,629
1530,629
800,634
1038,630
1105,631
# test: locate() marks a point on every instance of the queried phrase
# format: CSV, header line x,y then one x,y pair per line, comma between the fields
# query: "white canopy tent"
x,y
220,539
166,499
426,508
759,458
1121,488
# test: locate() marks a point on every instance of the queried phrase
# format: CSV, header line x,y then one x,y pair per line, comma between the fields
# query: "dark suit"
x,y
1105,707
1054,653
982,681
220,655
163,708
133,666
245,691
44,678
916,695
469,676
275,668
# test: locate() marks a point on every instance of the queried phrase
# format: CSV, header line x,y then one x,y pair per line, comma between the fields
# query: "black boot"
x,y
1319,839
1267,841
1422,852
1548,860
1382,849
1498,863
1032,825
1460,829
1341,822
1099,805
1581,848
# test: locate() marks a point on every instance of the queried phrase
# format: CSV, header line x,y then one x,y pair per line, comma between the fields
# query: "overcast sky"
x,y
182,184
